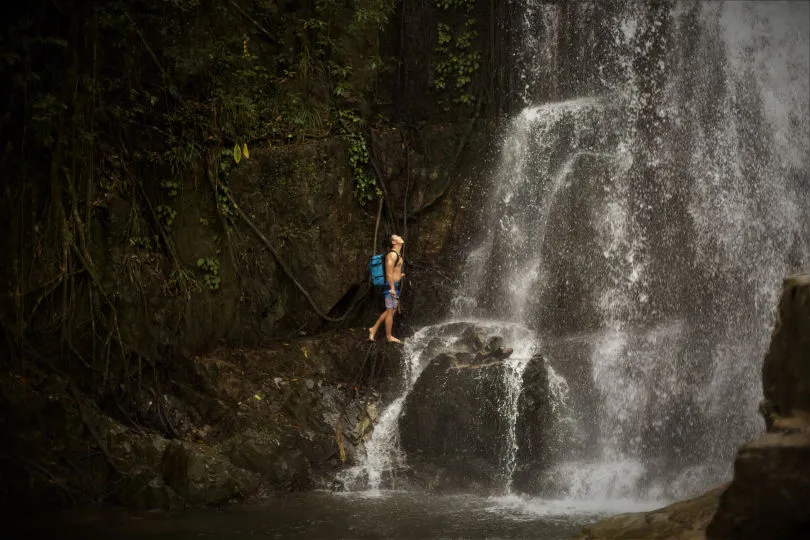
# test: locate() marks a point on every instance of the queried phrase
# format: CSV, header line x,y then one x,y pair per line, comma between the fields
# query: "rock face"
x,y
452,419
770,494
455,420
199,475
534,420
786,371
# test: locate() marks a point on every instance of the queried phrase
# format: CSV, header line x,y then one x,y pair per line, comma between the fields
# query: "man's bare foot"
x,y
371,333
392,340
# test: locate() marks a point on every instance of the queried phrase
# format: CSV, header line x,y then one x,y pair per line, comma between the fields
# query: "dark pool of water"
x,y
315,515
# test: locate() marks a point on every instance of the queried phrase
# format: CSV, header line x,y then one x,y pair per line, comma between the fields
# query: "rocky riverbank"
x,y
283,417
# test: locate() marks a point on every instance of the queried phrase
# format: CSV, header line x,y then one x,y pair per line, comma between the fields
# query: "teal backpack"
x,y
376,269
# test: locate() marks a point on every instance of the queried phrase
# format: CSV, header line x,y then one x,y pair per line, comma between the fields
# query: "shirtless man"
x,y
393,275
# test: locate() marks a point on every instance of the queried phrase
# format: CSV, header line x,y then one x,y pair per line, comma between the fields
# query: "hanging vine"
x,y
458,61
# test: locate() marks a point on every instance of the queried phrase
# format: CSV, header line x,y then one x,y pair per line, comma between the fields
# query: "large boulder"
x,y
278,459
452,418
456,421
770,494
786,370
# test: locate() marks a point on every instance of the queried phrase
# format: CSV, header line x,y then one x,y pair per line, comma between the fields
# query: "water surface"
x,y
320,514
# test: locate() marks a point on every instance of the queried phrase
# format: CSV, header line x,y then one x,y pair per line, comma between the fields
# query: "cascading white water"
x,y
513,377
382,453
655,223
640,228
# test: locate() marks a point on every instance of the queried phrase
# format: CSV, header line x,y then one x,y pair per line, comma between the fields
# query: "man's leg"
x,y
373,330
389,325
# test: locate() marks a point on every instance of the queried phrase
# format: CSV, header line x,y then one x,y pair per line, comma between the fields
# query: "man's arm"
x,y
389,272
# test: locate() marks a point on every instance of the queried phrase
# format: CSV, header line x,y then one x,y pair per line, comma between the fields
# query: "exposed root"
x,y
93,433
289,272
47,474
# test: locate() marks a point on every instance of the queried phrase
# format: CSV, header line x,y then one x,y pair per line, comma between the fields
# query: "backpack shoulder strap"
x,y
395,253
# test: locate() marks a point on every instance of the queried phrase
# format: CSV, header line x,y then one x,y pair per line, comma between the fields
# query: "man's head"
x,y
396,240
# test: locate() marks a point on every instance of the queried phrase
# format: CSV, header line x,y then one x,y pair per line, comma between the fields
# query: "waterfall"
x,y
646,204
642,225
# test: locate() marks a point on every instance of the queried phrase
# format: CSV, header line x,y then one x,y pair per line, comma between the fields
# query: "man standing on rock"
x,y
393,275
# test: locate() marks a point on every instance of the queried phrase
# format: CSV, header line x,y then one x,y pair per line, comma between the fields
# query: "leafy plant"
x,y
171,187
224,203
210,270
458,62
141,243
166,215
365,185
447,5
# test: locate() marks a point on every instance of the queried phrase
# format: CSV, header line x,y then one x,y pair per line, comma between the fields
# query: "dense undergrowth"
x,y
128,100
111,109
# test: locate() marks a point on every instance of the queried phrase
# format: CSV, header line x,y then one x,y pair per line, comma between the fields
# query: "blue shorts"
x,y
391,302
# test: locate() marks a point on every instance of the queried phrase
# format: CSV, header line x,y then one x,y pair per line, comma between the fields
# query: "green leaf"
x,y
237,153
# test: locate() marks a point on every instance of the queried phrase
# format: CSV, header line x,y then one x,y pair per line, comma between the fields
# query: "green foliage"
x,y
447,5
114,101
458,62
365,185
166,215
371,15
224,204
170,187
142,243
181,156
210,271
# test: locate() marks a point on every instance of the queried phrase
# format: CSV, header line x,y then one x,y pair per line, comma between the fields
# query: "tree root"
x,y
449,174
47,474
92,430
287,270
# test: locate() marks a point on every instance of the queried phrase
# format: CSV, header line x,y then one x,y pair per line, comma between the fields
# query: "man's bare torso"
x,y
395,262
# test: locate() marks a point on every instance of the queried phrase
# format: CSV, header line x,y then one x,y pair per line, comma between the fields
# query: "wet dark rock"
x,y
493,343
452,419
454,428
278,459
769,495
501,353
202,476
535,419
281,418
472,339
786,370
446,475
685,520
